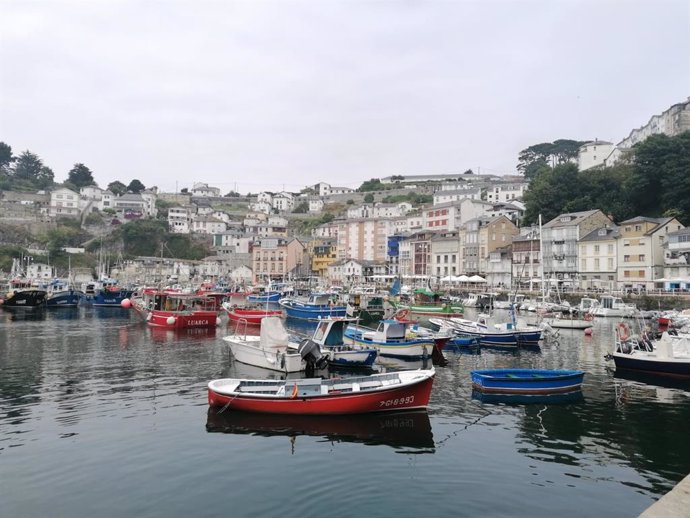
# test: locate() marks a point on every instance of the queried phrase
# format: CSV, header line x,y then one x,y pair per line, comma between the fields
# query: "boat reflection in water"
x,y
408,431
526,399
163,335
648,378
24,314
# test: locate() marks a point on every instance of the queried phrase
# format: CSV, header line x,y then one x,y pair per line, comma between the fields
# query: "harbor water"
x,y
102,416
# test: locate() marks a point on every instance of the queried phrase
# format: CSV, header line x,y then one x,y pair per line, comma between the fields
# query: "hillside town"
x,y
472,228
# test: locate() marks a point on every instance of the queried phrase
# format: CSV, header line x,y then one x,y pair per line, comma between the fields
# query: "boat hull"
x,y
567,323
26,299
182,320
527,381
252,317
272,297
437,311
106,298
404,350
675,368
405,397
351,358
248,351
66,299
316,312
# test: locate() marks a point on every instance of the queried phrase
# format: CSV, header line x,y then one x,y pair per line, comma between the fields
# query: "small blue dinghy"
x,y
527,381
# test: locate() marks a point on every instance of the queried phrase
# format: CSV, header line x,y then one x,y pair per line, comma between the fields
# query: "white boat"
x,y
667,356
610,306
272,349
561,321
471,301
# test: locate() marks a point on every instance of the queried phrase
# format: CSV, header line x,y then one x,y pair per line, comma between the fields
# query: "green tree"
x,y
117,188
371,185
135,186
535,158
45,178
28,166
80,176
6,157
302,208
660,180
369,198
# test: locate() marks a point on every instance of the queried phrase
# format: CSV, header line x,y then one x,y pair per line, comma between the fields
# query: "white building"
x,y
325,189
208,225
261,206
594,154
64,202
180,219
204,191
315,205
672,122
283,202
441,218
444,197
506,192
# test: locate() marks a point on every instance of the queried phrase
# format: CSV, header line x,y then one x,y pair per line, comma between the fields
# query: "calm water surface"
x,y
100,415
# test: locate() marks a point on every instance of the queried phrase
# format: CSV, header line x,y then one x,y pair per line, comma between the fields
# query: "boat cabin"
x,y
388,331
330,331
320,299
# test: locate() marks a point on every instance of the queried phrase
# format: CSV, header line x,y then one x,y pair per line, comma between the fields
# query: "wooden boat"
x,y
404,429
316,307
404,390
174,310
392,339
667,356
527,381
251,316
273,350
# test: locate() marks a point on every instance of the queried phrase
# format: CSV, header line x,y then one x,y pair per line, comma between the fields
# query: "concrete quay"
x,y
674,504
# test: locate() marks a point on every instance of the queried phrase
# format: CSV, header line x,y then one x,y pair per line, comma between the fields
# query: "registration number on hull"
x,y
396,402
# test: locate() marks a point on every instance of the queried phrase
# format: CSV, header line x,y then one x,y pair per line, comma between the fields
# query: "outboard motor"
x,y
311,353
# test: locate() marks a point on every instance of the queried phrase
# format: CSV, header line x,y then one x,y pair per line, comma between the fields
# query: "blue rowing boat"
x,y
527,381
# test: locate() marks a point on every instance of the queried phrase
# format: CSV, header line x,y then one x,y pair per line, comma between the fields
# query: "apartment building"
x,y
640,250
598,259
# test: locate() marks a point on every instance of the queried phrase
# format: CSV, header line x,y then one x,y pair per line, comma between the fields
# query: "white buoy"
x,y
170,321
126,303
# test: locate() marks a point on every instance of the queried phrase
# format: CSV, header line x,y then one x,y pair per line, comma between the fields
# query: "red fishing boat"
x,y
403,390
252,316
173,310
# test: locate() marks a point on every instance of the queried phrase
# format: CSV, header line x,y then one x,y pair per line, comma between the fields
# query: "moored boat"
x,y
62,295
330,336
403,390
273,350
251,316
667,356
392,339
527,381
316,307
174,310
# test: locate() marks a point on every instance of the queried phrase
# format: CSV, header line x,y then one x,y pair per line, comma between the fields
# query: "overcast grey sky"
x,y
266,94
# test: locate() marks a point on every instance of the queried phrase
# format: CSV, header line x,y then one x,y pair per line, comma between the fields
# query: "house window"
x,y
626,273
596,264
596,249
640,273
609,249
626,258
642,258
